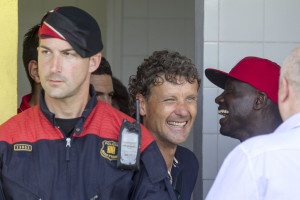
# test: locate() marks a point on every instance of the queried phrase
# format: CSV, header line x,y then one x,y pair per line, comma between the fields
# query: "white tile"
x,y
232,53
211,20
277,52
281,20
171,9
135,37
241,20
135,8
210,110
166,34
206,186
210,156
210,60
225,145
129,67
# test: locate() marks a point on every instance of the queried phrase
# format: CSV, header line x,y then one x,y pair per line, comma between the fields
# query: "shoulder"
x,y
108,121
271,143
17,127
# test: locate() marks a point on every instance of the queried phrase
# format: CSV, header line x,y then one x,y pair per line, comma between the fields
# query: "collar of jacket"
x,y
150,158
79,125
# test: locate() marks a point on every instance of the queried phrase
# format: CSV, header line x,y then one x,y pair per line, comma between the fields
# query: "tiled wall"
x,y
151,25
234,29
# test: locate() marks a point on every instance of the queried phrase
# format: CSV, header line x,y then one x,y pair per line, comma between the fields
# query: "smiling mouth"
x,y
223,112
177,124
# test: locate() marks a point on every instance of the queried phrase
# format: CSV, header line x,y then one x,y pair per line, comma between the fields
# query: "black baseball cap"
x,y
75,26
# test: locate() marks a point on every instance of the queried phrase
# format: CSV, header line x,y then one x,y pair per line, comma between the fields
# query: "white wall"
x,y
234,29
136,28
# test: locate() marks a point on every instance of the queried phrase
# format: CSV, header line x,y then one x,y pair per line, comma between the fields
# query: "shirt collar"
x,y
290,123
88,109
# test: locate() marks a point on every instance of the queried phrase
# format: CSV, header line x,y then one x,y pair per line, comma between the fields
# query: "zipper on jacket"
x,y
68,146
95,197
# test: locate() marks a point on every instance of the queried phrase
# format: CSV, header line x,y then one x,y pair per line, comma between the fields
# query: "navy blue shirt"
x,y
184,173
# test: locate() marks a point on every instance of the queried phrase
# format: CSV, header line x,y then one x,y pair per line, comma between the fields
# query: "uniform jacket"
x,y
24,104
184,173
38,162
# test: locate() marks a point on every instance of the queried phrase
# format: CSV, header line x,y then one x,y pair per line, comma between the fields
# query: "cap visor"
x,y
217,77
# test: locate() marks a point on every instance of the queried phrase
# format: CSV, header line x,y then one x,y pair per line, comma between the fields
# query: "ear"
x,y
95,62
283,90
260,100
34,71
142,100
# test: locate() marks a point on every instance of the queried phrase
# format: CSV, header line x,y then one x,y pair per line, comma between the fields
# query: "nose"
x,y
182,109
56,63
220,99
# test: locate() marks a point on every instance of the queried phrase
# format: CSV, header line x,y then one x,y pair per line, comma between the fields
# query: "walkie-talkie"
x,y
130,143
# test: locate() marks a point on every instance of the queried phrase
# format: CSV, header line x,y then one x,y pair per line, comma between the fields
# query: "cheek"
x,y
193,110
242,107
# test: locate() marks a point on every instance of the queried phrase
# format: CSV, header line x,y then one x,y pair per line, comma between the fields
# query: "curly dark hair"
x,y
160,65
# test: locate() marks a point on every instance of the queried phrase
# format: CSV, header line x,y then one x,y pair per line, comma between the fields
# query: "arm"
x,y
151,182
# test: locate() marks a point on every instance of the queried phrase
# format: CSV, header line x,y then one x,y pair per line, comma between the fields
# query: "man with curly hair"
x,y
166,85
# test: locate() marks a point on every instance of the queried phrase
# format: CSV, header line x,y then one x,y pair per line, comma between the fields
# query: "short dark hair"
x,y
30,44
104,68
161,64
121,95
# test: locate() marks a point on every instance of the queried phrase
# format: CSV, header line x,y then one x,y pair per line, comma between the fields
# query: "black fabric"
x,y
79,125
178,186
217,77
67,125
78,27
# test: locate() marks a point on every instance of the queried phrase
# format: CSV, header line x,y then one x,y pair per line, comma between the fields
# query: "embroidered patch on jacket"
x,y
22,147
109,150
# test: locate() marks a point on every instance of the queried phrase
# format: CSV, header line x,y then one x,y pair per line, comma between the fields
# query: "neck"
x,y
168,153
67,108
261,126
35,98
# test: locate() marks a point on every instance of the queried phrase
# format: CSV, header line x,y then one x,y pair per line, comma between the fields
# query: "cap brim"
x,y
217,77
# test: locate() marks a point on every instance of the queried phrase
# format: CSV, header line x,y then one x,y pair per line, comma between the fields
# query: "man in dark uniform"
x,y
248,103
67,147
30,56
166,85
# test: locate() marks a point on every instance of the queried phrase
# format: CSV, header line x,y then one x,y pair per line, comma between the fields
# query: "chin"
x,y
225,132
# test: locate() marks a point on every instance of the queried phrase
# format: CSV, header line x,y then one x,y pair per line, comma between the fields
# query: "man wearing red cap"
x,y
267,167
67,146
249,101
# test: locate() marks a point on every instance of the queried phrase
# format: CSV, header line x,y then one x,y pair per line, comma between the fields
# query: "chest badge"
x,y
109,150
22,147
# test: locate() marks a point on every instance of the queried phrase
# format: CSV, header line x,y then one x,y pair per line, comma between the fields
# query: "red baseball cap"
x,y
260,73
